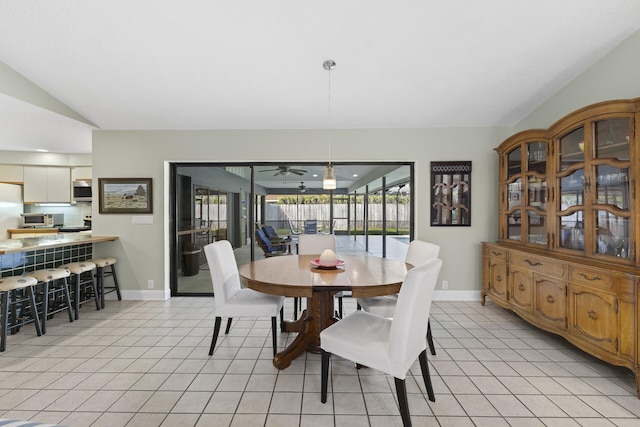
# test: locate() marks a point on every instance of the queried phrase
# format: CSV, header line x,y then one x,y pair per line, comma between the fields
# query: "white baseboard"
x,y
162,294
438,295
442,295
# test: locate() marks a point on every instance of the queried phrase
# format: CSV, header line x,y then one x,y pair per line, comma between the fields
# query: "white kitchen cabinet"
x,y
44,184
81,173
11,174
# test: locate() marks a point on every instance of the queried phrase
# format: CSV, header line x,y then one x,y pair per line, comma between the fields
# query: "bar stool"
x,y
55,292
9,288
83,281
101,264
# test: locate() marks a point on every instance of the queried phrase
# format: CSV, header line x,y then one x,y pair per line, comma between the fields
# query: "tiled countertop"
x,y
51,241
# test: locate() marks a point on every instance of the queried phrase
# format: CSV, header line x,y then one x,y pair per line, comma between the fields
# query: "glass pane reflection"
x,y
612,234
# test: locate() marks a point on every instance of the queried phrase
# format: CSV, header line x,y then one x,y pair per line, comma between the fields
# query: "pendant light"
x,y
329,179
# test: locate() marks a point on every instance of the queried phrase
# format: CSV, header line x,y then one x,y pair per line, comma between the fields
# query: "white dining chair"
x,y
315,244
388,345
231,300
418,253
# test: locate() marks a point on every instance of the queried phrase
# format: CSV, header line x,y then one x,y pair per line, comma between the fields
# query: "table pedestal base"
x,y
318,316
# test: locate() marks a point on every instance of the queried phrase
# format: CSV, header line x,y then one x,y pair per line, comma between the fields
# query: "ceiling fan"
x,y
285,170
302,187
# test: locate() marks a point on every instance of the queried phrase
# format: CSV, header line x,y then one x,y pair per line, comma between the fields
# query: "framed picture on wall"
x,y
451,193
125,195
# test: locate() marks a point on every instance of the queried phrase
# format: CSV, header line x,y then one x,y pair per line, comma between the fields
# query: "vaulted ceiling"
x,y
255,64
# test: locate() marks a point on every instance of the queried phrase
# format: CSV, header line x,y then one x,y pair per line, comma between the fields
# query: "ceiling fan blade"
x,y
269,170
297,171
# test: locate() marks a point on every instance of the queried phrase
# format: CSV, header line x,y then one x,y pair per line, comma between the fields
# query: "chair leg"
x,y
226,331
34,311
424,366
76,302
45,306
100,284
324,376
274,338
295,308
282,319
67,296
401,390
115,282
5,319
430,339
216,331
96,295
340,307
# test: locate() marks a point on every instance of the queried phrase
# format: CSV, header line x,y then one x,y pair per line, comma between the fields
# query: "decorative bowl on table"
x,y
328,260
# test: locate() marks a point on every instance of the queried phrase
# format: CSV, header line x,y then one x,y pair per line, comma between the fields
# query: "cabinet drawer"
x,y
538,264
495,252
627,285
591,277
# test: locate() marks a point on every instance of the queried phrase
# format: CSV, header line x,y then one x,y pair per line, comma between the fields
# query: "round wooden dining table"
x,y
295,276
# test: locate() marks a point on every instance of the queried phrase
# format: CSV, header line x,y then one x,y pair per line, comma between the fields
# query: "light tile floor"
x,y
145,363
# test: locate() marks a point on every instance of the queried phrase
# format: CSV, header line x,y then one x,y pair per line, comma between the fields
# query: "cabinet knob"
x,y
498,278
550,299
521,287
592,315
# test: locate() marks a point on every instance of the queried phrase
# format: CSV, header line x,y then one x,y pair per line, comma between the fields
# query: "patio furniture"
x,y
268,247
310,226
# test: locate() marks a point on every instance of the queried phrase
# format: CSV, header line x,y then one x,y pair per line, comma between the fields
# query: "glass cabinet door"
x,y
571,188
610,173
572,149
514,193
536,196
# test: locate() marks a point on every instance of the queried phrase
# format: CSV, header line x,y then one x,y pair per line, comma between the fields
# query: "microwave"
x,y
31,220
82,191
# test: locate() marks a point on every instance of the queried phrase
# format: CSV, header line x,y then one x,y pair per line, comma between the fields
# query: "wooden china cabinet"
x,y
566,259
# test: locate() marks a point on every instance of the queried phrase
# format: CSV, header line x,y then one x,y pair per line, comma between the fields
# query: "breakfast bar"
x,y
20,256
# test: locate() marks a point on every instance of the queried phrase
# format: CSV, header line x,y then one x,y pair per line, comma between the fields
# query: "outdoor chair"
x,y
310,226
268,247
388,345
271,234
231,300
293,231
418,253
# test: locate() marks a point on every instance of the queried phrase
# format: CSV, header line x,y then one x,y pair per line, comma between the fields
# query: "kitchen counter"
x,y
41,230
50,241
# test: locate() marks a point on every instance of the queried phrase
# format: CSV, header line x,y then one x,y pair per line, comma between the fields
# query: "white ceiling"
x,y
255,64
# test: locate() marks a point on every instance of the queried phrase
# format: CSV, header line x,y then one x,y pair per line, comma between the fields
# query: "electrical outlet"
x,y
150,284
445,284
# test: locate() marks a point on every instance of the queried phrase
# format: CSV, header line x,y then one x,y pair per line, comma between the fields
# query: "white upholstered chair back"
x,y
224,271
315,244
409,324
420,251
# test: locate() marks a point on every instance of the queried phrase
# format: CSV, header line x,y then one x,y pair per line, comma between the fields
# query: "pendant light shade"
x,y
329,179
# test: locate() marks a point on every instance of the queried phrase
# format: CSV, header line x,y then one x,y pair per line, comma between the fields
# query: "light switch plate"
x,y
142,219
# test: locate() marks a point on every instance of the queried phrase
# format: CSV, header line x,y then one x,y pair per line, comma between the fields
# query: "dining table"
x,y
301,276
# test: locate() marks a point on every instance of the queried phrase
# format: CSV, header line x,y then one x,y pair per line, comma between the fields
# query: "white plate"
x,y
316,263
